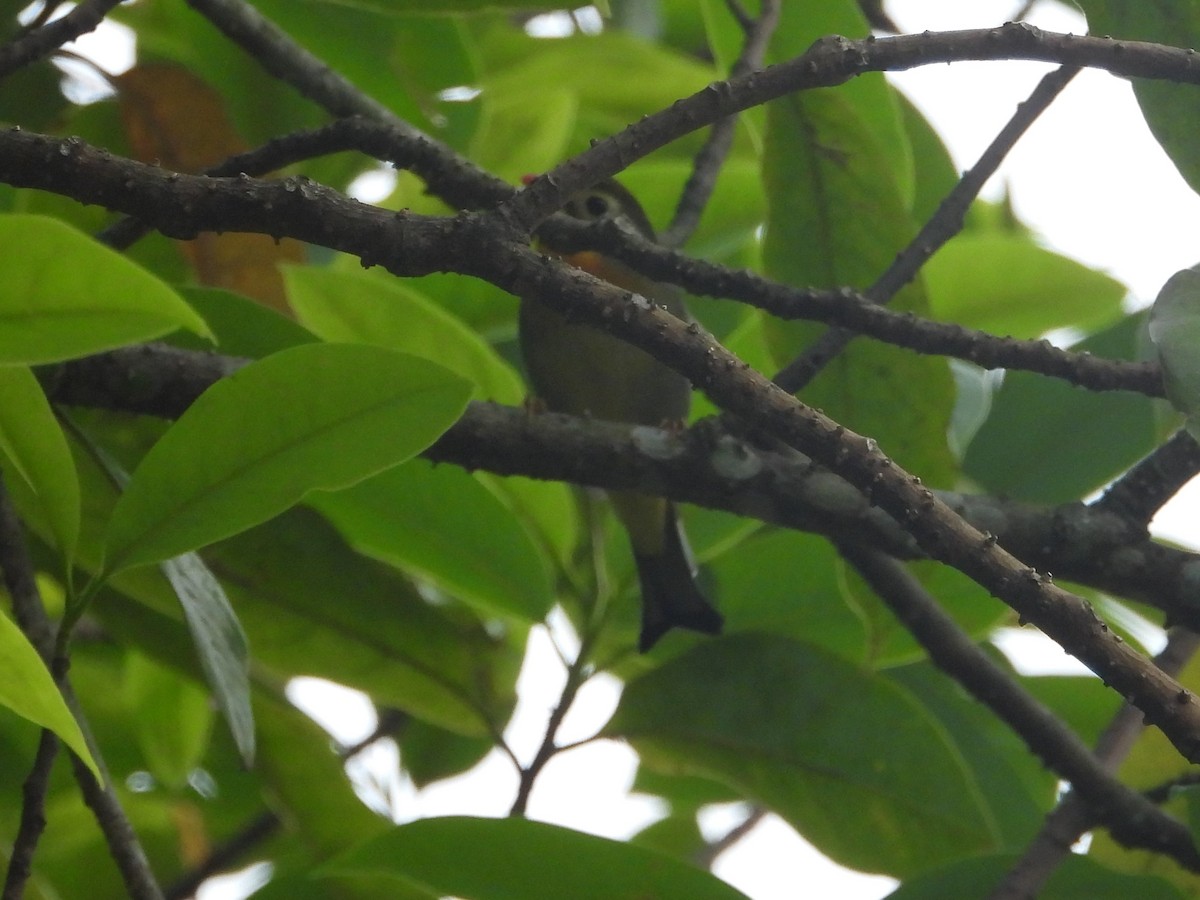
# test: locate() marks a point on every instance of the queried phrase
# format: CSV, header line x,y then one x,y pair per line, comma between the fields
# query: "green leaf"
x,y
523,133
36,451
65,295
311,606
651,78
216,635
1010,458
935,174
440,524
1017,788
241,327
296,756
357,307
28,689
171,716
320,416
446,7
392,52
516,859
872,782
836,217
788,584
888,641
874,100
1169,108
220,643
429,753
678,835
1008,285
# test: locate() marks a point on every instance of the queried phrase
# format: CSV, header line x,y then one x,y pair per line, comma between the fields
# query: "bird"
x,y
583,371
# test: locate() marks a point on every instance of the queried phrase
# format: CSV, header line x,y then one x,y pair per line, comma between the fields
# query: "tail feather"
x,y
670,595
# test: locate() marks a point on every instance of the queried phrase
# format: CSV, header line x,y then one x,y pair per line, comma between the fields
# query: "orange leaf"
x,y
173,118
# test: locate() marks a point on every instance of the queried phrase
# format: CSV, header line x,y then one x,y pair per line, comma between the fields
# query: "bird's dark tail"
x,y
670,596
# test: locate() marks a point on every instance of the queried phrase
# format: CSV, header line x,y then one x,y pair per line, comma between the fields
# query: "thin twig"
x,y
41,42
709,853
1131,818
707,163
225,854
744,19
122,842
1074,815
1141,492
33,817
942,225
1082,544
18,571
274,50
577,675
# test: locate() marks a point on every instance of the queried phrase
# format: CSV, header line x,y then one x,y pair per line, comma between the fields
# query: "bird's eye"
x,y
596,205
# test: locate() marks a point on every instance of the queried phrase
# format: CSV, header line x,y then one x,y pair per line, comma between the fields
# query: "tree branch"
x,y
1141,492
946,222
492,247
45,39
1073,816
407,244
1132,819
705,467
122,842
707,163
831,61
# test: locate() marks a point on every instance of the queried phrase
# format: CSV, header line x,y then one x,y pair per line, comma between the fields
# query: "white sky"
x,y
1093,183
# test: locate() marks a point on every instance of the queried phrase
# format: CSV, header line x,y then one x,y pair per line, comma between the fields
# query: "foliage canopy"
x,y
232,457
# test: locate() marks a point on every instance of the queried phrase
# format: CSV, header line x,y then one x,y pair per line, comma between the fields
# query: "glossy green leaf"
x,y
836,217
516,859
216,635
65,295
547,509
1009,285
1169,108
392,52
429,753
652,77
934,171
1010,457
356,307
1015,785
873,100
296,755
220,643
308,418
35,451
311,606
240,326
1082,703
1151,763
28,689
523,133
888,641
440,524
171,716
871,781
787,584
678,835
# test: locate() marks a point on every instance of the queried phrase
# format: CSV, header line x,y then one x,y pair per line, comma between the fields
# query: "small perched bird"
x,y
580,370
